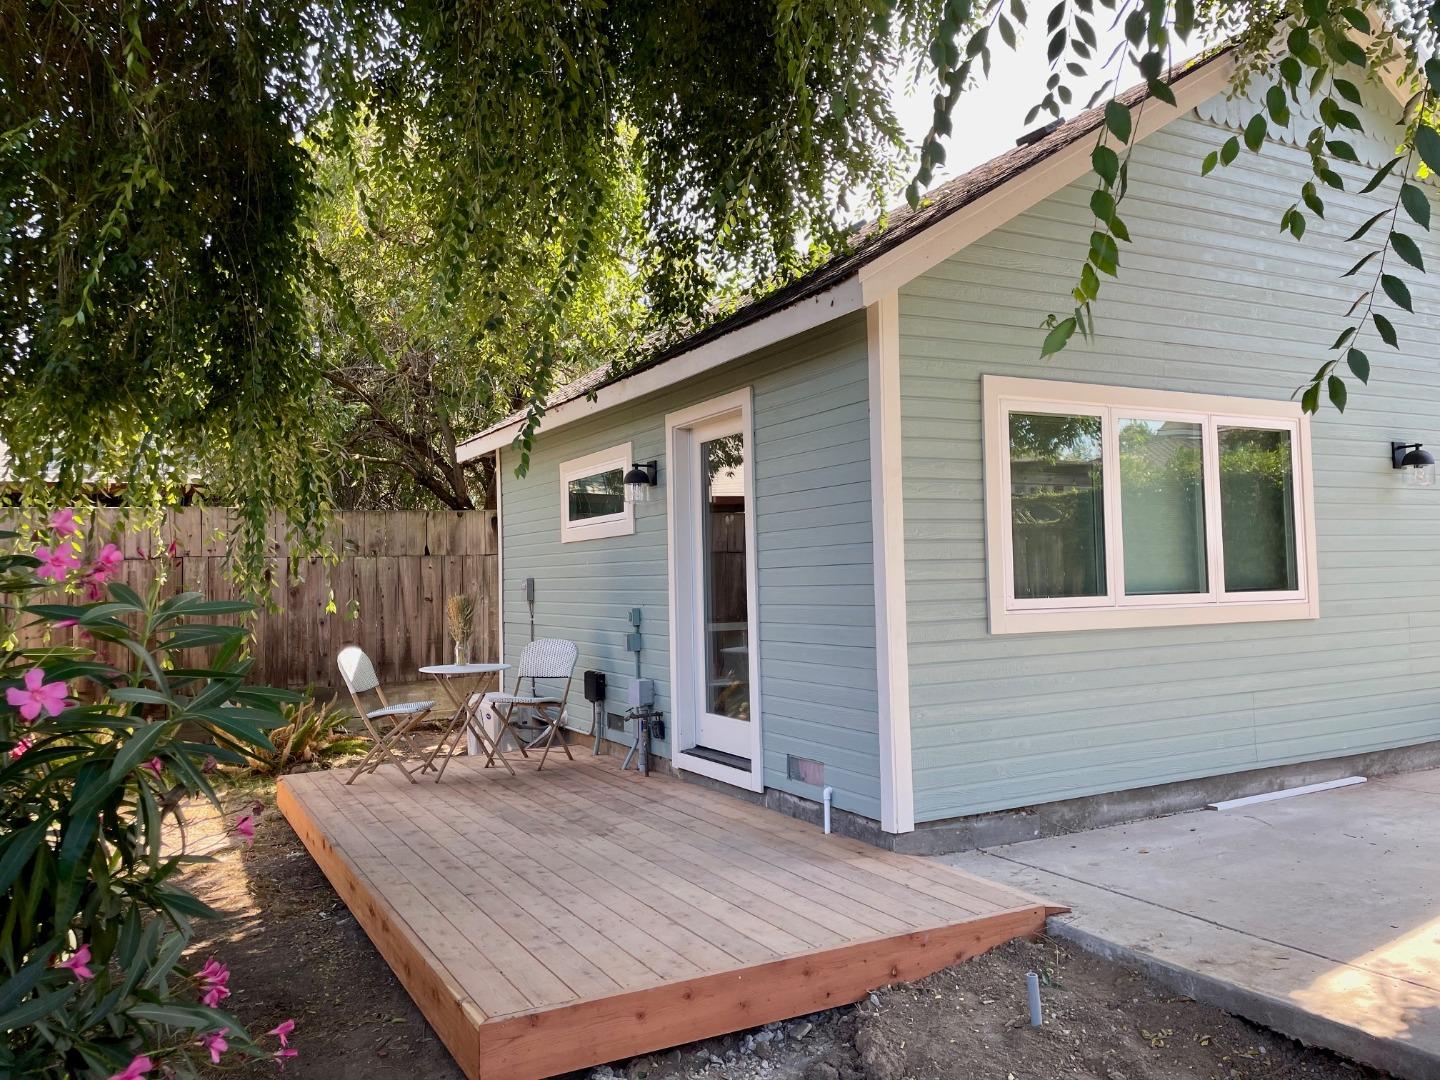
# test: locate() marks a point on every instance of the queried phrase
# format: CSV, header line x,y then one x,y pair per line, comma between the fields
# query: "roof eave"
x,y
806,313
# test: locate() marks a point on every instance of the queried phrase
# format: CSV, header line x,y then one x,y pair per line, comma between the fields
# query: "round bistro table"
x,y
464,685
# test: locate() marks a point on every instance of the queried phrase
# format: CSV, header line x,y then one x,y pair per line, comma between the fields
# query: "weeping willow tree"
x,y
162,291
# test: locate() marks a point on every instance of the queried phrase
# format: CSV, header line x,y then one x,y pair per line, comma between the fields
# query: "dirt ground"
x,y
295,951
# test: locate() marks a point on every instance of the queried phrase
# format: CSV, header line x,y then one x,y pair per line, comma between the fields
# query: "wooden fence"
x,y
384,589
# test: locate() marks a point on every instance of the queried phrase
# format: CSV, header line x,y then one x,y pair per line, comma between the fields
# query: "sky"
x,y
991,116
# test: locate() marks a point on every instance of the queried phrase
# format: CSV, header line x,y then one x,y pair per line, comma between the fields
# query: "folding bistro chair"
x,y
550,659
398,721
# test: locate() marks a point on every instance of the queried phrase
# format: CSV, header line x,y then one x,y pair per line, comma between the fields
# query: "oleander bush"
x,y
96,753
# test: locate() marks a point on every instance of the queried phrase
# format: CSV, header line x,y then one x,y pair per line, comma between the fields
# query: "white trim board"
x,y
887,513
1287,793
619,524
778,326
678,423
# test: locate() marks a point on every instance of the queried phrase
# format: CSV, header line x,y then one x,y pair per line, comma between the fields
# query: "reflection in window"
x,y
600,494
727,622
1257,510
1162,507
1056,506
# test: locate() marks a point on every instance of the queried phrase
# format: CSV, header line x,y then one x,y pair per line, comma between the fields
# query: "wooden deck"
x,y
557,920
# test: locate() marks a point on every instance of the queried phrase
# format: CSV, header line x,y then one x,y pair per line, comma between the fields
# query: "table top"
x,y
462,669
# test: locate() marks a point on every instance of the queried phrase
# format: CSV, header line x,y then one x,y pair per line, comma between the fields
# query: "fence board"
x,y
386,593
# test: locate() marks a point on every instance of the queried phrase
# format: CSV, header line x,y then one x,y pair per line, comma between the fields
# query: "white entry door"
x,y
714,595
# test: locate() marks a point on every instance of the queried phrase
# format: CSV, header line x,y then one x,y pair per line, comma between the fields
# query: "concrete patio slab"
x,y
1318,916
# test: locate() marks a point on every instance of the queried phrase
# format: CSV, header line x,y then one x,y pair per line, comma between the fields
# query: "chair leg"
x,y
368,762
452,733
506,728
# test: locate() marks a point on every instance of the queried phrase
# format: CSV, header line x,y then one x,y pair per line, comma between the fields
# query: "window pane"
x,y
598,495
1057,510
727,625
1257,510
1162,507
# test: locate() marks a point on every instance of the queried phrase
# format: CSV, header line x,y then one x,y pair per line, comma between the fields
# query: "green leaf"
x,y
1385,329
1297,224
37,1008
140,695
1277,105
1363,229
1310,400
1161,91
127,596
1356,18
140,747
1229,150
1102,204
1416,203
1345,335
1106,163
1396,290
1255,131
1312,200
1359,364
1208,165
1361,263
1427,145
1348,90
1104,253
1380,175
1432,74
1407,249
1338,393
1057,338
1117,119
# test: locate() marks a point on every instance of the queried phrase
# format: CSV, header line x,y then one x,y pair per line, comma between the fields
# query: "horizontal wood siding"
x,y
1211,299
816,583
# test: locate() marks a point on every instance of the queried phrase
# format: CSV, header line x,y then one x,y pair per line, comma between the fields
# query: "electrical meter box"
x,y
642,694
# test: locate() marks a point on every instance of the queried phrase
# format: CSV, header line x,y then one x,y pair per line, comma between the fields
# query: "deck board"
x,y
552,921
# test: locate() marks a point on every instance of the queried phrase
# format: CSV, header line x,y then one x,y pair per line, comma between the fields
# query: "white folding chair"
x,y
387,725
549,659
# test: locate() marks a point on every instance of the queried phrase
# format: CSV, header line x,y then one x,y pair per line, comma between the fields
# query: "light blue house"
x,y
895,554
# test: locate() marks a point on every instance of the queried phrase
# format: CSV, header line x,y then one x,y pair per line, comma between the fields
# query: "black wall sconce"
x,y
1415,463
642,478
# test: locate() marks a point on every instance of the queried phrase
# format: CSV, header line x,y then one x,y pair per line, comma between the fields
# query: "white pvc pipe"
x,y
825,797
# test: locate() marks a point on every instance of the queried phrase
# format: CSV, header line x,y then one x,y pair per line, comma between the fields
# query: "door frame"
x,y
679,495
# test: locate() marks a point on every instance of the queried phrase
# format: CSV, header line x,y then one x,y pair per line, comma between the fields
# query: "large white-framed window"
x,y
592,496
1112,506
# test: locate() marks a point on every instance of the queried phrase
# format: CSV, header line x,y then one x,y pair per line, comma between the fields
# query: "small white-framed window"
x,y
1112,506
592,496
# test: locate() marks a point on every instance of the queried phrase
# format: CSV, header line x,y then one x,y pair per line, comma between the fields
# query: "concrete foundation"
x,y
1071,815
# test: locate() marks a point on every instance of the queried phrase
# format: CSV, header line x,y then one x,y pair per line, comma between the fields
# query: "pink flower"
x,y
283,1031
79,965
136,1070
284,1054
245,828
63,522
173,549
155,765
107,562
215,1043
20,747
213,978
93,590
57,562
210,764
36,695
